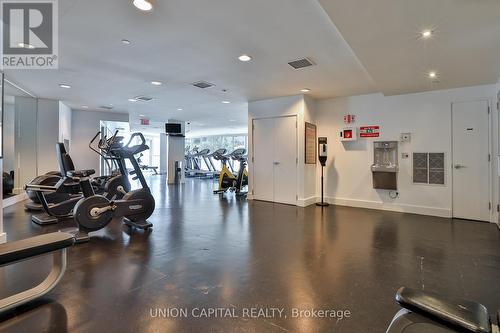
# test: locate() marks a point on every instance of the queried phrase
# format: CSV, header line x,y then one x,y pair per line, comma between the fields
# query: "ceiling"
x,y
375,49
384,35
184,41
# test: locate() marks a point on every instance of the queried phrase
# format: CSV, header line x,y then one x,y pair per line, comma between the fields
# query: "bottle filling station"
x,y
385,165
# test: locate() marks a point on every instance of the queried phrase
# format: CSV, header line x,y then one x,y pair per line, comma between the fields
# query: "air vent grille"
x,y
301,63
106,107
203,84
144,98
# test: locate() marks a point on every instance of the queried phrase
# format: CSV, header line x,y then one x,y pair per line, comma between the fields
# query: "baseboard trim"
x,y
402,208
306,202
15,199
3,238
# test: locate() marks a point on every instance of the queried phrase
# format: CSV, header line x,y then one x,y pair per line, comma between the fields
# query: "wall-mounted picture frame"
x,y
310,143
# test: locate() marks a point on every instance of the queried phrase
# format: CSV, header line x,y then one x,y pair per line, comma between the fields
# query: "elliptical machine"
x,y
92,211
227,180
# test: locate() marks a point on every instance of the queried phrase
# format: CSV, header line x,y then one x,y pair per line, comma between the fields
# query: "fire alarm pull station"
x,y
348,134
323,156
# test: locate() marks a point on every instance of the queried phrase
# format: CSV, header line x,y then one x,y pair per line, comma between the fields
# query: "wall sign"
x,y
369,131
144,121
349,118
310,144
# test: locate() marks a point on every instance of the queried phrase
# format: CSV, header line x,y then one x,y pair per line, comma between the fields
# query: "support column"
x,y
163,154
175,152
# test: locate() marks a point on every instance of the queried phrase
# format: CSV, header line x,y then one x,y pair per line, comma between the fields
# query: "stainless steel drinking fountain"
x,y
385,165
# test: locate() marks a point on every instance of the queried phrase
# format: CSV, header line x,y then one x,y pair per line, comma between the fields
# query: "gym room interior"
x,y
250,166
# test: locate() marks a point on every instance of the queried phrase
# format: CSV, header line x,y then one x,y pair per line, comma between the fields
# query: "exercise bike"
x,y
92,211
111,186
227,180
62,196
431,313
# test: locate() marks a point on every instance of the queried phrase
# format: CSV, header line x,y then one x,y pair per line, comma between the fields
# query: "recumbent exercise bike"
x,y
93,212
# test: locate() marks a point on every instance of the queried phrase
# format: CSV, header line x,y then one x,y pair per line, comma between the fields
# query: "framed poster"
x,y
310,144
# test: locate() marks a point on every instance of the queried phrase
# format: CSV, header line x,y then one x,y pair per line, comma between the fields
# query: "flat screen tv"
x,y
171,128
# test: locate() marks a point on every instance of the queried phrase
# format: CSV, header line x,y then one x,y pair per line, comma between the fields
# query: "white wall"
x,y
47,135
309,182
64,122
84,126
303,108
427,116
26,141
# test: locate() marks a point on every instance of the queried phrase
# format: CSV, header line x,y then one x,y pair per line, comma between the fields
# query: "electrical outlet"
x,y
405,137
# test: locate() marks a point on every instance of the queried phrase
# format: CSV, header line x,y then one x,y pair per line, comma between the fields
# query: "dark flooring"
x,y
207,251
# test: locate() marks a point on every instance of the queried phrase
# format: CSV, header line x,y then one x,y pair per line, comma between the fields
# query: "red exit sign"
x,y
144,121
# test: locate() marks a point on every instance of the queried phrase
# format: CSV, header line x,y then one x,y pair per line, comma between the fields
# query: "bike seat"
x,y
81,173
465,314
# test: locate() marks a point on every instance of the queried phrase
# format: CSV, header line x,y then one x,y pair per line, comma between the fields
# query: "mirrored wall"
x,y
19,138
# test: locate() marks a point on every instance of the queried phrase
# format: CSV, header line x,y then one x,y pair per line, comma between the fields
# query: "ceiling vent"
x,y
203,84
301,63
144,98
106,107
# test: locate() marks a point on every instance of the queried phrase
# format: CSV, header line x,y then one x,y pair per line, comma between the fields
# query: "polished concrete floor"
x,y
207,251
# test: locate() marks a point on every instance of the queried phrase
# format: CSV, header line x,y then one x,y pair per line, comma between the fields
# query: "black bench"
x,y
13,252
428,312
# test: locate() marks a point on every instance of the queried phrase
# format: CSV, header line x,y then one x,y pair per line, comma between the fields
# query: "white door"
x,y
285,160
471,161
275,160
263,157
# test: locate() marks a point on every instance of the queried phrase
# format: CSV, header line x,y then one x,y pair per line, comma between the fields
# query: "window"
x,y
428,168
228,142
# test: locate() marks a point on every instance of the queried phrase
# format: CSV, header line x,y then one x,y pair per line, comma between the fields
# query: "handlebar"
x,y
140,135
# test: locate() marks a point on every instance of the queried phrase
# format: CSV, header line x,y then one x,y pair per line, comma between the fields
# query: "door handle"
x,y
276,163
459,166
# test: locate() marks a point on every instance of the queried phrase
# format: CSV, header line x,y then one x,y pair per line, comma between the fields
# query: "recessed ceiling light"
x,y
179,109
305,90
26,46
426,33
132,100
65,86
232,120
432,75
244,58
141,115
85,107
226,102
144,5
126,42
156,83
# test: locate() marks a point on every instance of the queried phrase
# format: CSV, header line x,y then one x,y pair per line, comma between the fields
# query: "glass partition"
x,y
19,128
